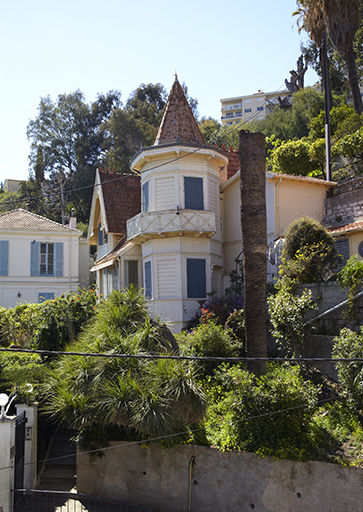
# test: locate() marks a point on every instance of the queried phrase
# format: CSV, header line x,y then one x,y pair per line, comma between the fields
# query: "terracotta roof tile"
x,y
122,198
354,226
22,220
233,162
178,124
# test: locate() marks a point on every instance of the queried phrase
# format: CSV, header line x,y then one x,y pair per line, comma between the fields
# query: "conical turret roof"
x,y
178,124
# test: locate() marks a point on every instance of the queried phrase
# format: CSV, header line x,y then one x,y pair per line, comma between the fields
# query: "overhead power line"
x,y
187,358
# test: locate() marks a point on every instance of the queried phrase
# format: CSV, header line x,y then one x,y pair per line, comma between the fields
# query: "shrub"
x,y
351,277
210,340
287,314
59,321
269,414
349,345
308,254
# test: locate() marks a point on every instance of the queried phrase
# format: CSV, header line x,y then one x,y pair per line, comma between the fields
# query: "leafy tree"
x,y
293,157
66,145
308,254
293,123
209,128
149,397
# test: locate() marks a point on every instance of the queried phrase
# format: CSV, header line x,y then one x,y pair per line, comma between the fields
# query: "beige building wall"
x,y
256,106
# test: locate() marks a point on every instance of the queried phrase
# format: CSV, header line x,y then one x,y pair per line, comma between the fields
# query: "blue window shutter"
x,y
148,282
59,259
196,278
145,197
193,192
100,241
4,257
34,258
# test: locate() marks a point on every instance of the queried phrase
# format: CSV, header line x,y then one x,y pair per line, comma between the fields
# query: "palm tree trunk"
x,y
252,158
353,79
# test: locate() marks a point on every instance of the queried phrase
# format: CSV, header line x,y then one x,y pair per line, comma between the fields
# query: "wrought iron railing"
x,y
169,222
58,501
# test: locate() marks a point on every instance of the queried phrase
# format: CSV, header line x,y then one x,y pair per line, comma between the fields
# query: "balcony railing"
x,y
167,223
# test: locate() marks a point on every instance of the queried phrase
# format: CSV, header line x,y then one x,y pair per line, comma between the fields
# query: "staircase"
x,y
60,468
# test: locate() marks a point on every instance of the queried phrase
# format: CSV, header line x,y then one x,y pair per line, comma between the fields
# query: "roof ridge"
x,y
178,124
39,217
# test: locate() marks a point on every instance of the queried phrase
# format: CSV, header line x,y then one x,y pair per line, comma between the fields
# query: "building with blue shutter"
x,y
39,259
173,228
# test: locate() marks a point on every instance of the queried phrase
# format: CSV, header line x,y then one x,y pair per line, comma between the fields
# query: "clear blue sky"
x,y
219,49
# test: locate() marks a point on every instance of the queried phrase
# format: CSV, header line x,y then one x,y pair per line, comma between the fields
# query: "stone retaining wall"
x,y
207,480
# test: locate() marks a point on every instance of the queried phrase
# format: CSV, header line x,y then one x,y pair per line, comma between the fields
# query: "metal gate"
x,y
19,455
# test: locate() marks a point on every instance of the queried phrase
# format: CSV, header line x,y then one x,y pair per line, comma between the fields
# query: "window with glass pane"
x,y
46,259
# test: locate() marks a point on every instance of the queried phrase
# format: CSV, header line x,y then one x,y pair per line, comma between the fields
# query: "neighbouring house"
x,y
174,229
39,259
343,217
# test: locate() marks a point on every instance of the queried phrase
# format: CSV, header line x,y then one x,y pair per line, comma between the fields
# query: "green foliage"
x,y
351,277
308,254
292,157
68,133
17,369
236,278
149,397
287,314
210,340
209,128
338,115
294,123
60,320
49,325
349,344
269,415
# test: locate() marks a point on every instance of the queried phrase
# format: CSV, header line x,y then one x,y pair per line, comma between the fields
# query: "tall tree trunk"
x,y
252,158
353,79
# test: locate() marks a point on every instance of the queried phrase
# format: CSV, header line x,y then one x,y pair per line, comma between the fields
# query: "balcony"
x,y
170,223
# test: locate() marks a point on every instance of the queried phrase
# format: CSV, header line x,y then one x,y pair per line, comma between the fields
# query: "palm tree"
x,y
150,397
254,243
342,20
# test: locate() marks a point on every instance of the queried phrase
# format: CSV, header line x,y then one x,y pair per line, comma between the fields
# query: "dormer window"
x,y
193,193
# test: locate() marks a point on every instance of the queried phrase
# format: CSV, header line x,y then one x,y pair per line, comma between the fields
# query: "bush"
x,y
308,254
351,277
349,345
210,340
287,314
59,321
268,415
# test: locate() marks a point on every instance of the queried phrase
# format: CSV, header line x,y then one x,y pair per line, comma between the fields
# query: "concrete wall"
x,y
159,479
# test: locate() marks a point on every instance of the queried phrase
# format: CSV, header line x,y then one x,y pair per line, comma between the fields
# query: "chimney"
x,y
72,220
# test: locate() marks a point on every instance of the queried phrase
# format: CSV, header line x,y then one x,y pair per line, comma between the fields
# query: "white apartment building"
x,y
254,106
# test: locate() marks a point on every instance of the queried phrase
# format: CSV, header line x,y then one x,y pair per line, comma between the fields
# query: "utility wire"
x,y
188,358
205,146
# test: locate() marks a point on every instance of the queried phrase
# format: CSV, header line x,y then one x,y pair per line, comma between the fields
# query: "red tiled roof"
x,y
178,124
233,162
122,198
354,226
